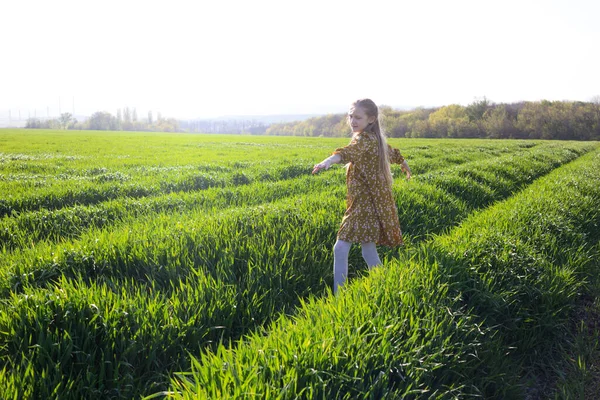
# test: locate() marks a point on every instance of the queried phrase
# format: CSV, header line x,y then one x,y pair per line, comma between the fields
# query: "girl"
x,y
371,216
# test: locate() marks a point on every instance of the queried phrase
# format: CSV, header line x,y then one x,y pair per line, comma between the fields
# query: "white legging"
x,y
341,249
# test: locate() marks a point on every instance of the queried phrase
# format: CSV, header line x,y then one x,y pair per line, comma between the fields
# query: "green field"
x,y
200,266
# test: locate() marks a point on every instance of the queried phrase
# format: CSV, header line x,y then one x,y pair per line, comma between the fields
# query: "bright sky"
x,y
203,58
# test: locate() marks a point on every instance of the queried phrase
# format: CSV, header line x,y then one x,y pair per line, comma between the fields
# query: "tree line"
x,y
125,120
560,120
238,126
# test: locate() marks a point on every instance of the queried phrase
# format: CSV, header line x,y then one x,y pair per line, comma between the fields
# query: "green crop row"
x,y
440,199
198,280
92,192
88,168
197,227
27,228
469,315
115,150
75,153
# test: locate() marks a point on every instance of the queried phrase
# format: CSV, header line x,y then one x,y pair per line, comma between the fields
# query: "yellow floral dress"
x,y
371,213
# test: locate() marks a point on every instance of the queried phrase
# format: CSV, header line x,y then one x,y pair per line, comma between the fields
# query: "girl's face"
x,y
358,119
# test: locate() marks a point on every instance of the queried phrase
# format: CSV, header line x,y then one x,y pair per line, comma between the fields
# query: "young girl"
x,y
371,216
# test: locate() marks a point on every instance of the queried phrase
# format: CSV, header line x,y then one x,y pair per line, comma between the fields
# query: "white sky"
x,y
203,58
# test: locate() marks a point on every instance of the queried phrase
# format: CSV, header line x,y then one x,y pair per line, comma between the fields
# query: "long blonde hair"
x,y
371,109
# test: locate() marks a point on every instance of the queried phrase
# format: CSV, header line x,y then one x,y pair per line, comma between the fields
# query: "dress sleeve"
x,y
395,156
353,150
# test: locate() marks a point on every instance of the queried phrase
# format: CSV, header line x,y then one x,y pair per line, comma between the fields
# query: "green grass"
x,y
469,314
91,168
106,297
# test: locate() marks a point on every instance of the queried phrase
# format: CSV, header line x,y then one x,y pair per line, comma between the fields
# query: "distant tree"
x,y
497,123
557,120
452,121
477,109
257,129
168,125
596,123
65,120
126,124
421,129
119,116
149,117
596,105
417,121
102,121
126,115
33,123
134,115
394,126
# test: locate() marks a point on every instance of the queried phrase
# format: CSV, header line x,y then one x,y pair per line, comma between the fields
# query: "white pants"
x,y
341,250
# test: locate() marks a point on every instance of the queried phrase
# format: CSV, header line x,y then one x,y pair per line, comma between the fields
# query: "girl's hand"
x,y
319,167
406,169
328,162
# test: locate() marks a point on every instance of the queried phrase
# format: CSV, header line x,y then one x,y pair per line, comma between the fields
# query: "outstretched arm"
x,y
397,158
326,163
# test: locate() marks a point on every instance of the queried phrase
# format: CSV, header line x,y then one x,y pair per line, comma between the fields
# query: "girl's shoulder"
x,y
365,136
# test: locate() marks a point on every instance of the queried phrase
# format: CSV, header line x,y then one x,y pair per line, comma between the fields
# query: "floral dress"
x,y
371,213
